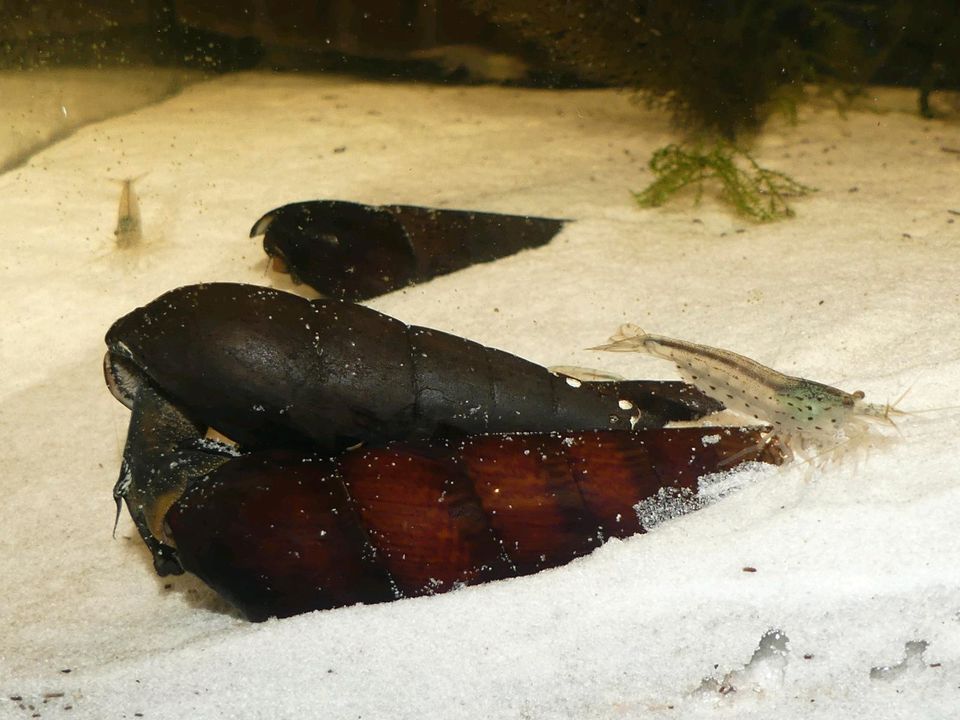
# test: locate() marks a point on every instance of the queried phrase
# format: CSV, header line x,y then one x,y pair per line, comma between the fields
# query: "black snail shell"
x,y
352,251
268,368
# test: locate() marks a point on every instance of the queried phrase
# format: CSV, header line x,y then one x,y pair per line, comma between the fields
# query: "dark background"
x,y
721,67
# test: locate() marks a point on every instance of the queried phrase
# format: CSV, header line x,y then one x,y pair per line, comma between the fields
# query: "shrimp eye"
x,y
858,394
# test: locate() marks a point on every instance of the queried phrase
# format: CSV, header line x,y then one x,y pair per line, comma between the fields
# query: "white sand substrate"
x,y
854,608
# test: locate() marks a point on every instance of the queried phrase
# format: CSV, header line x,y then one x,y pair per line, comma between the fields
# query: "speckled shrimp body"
x,y
804,414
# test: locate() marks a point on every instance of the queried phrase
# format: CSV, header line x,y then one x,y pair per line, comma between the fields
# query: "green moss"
x,y
753,191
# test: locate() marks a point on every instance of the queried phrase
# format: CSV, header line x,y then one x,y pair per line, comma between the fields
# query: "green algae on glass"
x,y
753,191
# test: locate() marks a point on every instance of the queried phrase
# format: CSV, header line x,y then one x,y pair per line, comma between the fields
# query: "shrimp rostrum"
x,y
804,415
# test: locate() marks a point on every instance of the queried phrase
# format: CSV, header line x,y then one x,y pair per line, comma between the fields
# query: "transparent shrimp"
x,y
129,231
804,415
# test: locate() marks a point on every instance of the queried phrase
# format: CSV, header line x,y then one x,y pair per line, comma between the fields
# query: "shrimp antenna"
x,y
130,179
929,410
892,408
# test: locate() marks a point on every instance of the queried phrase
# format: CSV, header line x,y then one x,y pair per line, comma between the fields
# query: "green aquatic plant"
x,y
753,191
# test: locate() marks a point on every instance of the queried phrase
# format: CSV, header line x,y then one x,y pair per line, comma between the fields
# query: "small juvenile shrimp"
x,y
129,231
802,413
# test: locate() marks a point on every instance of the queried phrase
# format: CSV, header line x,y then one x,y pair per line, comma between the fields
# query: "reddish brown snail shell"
x,y
278,533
